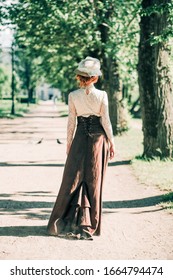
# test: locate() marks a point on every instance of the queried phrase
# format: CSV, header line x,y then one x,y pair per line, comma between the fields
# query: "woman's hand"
x,y
111,151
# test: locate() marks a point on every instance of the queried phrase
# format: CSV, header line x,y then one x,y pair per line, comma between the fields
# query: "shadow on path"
x,y
31,163
36,193
117,163
13,205
23,231
27,209
10,205
143,202
38,210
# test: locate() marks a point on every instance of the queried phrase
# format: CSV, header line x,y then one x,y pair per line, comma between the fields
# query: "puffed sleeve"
x,y
105,120
71,124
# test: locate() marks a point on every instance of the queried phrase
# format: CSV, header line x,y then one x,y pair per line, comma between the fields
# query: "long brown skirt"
x,y
77,209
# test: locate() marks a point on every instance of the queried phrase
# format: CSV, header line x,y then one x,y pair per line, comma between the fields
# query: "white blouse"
x,y
82,104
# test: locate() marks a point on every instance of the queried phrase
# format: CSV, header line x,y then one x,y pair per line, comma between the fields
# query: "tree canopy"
x,y
62,32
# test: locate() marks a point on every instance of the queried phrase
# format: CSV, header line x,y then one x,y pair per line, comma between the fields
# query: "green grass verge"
x,y
129,144
20,109
157,173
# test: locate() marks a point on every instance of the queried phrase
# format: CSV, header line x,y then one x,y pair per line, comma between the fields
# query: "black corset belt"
x,y
90,125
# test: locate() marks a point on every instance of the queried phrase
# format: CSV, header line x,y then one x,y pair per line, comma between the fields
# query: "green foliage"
x,y
4,81
2,11
26,67
160,8
63,32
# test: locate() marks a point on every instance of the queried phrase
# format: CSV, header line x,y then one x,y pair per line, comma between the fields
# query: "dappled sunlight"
x,y
31,128
27,205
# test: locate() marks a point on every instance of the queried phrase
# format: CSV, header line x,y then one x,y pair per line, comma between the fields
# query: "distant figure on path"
x,y
77,210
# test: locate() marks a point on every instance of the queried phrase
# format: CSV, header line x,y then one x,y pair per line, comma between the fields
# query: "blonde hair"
x,y
86,81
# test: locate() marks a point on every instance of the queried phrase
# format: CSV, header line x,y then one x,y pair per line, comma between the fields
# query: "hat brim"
x,y
93,74
81,73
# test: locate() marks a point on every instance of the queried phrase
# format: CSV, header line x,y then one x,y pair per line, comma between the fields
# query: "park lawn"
x,y
20,109
155,172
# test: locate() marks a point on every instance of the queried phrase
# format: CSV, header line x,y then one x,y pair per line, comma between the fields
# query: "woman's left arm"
x,y
71,122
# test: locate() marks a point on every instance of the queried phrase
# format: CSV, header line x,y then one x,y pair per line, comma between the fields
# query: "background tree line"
x,y
132,39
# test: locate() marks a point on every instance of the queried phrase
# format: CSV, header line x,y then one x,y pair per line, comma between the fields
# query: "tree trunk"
x,y
12,81
112,87
155,84
30,94
111,78
28,80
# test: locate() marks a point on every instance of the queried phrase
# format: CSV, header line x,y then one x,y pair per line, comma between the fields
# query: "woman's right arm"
x,y
71,122
105,120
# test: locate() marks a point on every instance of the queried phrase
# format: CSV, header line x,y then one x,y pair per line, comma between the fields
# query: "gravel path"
x,y
134,226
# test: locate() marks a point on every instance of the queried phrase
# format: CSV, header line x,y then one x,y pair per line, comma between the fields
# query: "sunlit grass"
x,y
20,109
129,144
155,172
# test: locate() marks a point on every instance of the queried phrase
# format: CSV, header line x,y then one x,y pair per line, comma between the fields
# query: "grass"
x,y
130,142
157,173
20,109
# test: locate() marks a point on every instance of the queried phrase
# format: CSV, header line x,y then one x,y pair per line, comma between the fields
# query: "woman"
x,y
77,210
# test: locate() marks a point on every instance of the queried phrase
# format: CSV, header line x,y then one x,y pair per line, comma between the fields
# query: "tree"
x,y
27,70
111,82
63,32
155,83
3,81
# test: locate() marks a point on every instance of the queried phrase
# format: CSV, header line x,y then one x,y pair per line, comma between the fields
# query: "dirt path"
x,y
133,225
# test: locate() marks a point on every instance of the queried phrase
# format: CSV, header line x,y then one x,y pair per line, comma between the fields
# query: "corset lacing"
x,y
89,124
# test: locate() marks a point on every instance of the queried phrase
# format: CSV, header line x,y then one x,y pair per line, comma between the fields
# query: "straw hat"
x,y
89,67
